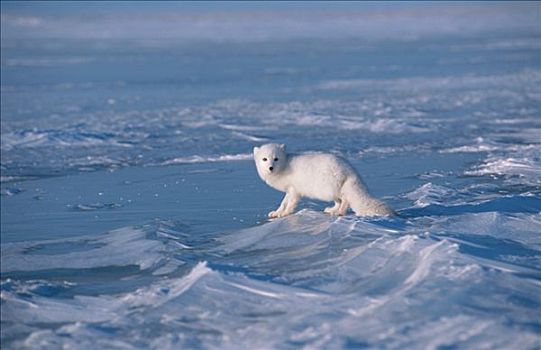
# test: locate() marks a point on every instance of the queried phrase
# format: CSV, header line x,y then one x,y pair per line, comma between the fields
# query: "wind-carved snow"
x,y
325,280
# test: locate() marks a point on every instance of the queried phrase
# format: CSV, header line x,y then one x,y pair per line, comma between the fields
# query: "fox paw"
x,y
277,214
332,211
274,214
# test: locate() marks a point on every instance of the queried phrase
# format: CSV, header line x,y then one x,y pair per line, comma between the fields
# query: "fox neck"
x,y
277,180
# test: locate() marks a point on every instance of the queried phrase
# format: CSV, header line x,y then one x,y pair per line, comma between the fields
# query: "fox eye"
x,y
264,159
275,159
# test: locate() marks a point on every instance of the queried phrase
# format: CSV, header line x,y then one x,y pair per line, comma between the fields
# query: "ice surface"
x,y
132,215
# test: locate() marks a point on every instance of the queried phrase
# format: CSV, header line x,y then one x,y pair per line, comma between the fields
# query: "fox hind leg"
x,y
334,210
343,209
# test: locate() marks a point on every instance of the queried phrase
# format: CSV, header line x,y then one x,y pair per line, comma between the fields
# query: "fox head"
x,y
270,159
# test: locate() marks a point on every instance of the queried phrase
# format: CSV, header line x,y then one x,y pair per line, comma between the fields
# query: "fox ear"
x,y
256,149
283,147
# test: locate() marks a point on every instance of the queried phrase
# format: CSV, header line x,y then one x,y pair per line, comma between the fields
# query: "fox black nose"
x,y
270,168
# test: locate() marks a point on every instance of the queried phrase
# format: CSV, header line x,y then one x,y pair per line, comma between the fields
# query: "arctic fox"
x,y
320,176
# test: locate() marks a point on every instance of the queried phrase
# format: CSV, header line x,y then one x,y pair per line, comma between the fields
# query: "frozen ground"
x,y
133,217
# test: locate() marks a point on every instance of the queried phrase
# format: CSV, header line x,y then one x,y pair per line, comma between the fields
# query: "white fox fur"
x,y
321,176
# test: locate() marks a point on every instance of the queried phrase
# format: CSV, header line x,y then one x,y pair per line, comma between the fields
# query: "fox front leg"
x,y
287,206
279,212
292,201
